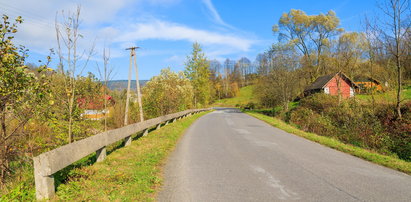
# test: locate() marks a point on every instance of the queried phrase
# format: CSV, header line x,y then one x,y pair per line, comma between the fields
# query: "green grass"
x,y
388,96
244,96
131,173
380,159
406,93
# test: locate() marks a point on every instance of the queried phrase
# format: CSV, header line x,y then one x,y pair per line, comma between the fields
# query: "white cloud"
x,y
214,14
163,30
119,24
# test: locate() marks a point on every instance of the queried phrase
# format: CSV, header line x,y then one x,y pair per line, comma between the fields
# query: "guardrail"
x,y
48,163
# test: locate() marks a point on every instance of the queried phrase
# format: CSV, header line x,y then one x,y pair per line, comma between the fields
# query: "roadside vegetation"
x,y
388,161
132,173
44,107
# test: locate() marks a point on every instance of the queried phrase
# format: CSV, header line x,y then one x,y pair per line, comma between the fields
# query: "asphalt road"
x,y
230,156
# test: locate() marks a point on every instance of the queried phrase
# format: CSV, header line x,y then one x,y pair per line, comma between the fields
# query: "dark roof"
x,y
321,81
365,79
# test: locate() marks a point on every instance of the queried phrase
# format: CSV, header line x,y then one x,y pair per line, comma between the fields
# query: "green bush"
x,y
319,102
250,106
374,127
309,120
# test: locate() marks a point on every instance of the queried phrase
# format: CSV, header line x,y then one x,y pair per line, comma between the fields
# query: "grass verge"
x,y
131,173
380,159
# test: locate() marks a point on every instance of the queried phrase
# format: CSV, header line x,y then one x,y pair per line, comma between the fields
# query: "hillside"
x,y
122,84
244,96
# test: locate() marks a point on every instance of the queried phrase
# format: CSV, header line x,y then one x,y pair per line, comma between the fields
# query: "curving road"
x,y
230,156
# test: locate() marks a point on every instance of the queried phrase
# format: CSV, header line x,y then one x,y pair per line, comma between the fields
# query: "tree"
x,y
215,78
394,31
67,33
350,48
197,70
279,86
310,34
22,93
244,65
105,75
167,93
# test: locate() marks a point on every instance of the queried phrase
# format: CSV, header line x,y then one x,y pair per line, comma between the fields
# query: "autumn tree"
x,y
349,51
167,93
310,34
22,93
72,61
279,86
197,70
216,79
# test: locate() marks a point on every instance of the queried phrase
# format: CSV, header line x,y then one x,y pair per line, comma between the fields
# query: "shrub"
x,y
250,106
319,102
311,121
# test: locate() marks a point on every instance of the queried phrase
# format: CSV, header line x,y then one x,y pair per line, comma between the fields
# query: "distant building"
x,y
94,109
332,84
367,84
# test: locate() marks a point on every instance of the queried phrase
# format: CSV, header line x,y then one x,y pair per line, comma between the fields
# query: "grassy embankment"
x,y
387,97
131,173
380,159
244,97
384,160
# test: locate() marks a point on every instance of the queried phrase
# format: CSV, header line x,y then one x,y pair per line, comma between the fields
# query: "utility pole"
x,y
133,54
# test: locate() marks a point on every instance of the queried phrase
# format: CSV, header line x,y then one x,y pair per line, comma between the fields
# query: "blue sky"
x,y
166,29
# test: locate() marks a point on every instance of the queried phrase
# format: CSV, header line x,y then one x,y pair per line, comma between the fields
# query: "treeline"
x,y
311,46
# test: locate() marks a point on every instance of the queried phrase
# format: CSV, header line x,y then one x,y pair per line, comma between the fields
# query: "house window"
x,y
351,92
327,90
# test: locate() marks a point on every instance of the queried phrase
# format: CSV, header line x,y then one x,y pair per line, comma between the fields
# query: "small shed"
x,y
367,84
332,84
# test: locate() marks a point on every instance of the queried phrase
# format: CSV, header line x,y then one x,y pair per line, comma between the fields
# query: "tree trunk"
x,y
3,156
398,106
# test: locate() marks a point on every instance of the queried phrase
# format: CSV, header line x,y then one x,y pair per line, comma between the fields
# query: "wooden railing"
x,y
48,163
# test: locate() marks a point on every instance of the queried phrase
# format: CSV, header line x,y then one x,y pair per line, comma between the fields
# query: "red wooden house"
x,y
332,84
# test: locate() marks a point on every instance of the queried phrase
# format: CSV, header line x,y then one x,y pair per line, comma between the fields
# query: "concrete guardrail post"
x,y
127,141
145,133
166,123
44,183
101,154
158,126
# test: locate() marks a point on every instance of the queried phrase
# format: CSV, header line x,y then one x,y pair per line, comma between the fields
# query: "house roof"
x,y
322,81
365,79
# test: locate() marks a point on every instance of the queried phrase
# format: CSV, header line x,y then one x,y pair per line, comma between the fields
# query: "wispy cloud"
x,y
163,30
123,23
215,15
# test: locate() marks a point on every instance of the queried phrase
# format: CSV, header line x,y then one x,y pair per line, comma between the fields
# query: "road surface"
x,y
230,156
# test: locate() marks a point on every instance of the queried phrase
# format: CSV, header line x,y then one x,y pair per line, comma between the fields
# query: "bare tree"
x,y
71,63
105,75
394,31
